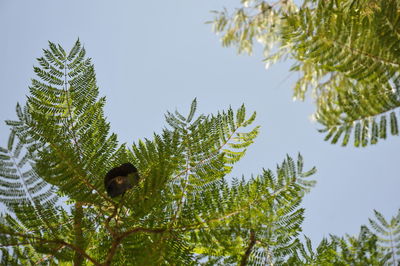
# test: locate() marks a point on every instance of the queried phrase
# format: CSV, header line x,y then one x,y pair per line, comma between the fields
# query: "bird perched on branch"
x,y
120,179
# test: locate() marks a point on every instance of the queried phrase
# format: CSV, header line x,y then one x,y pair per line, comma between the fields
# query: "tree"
x,y
182,212
346,50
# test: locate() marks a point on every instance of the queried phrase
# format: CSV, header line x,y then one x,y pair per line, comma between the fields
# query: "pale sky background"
x,y
155,56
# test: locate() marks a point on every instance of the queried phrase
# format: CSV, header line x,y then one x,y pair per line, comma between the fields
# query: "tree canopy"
x,y
182,211
346,51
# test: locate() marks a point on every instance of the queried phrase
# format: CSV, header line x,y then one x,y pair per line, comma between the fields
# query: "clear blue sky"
x,y
154,56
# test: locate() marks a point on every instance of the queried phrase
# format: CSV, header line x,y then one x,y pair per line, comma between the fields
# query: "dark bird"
x,y
120,179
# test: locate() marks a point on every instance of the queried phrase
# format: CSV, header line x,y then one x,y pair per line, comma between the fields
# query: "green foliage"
x,y
261,216
325,253
388,234
361,250
183,209
347,52
21,185
182,212
341,251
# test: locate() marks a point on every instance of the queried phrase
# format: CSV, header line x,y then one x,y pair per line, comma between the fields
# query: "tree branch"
x,y
51,241
79,240
112,251
118,239
252,242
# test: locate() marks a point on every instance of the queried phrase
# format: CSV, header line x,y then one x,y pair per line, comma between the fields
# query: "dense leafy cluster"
x,y
183,211
347,52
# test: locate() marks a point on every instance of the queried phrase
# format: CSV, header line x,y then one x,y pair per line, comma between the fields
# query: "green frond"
x,y
193,109
351,250
20,184
180,212
74,51
31,230
363,111
271,200
388,235
348,58
66,116
210,144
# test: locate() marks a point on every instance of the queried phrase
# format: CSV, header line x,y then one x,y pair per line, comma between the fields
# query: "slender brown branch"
x,y
114,214
252,242
107,223
118,239
49,256
112,250
82,252
15,244
78,216
52,241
